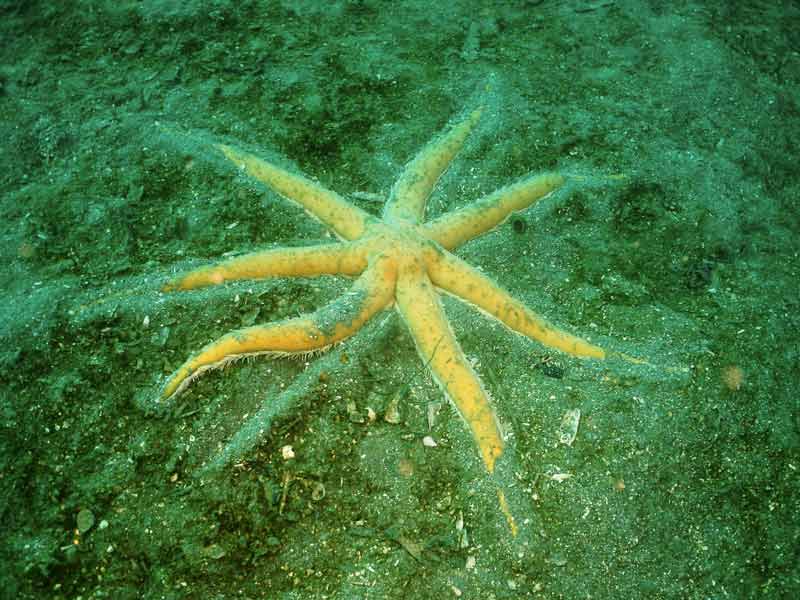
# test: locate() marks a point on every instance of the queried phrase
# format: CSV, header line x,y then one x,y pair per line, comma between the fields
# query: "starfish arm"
x,y
332,210
418,303
411,191
455,276
332,323
310,261
455,228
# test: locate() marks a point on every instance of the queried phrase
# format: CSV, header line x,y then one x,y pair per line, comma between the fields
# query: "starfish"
x,y
399,261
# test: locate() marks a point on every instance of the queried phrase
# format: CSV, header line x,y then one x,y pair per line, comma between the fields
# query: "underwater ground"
x,y
675,242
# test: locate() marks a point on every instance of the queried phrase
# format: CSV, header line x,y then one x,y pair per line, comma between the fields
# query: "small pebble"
x,y
85,520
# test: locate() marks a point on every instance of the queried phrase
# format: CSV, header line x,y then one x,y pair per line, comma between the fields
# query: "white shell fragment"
x,y
287,452
463,539
429,442
353,413
433,413
392,414
568,429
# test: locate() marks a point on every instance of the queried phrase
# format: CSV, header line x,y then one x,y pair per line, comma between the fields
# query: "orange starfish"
x,y
400,262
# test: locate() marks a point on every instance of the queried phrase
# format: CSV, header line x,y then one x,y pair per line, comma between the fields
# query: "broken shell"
x,y
568,429
433,413
352,412
318,491
392,413
287,452
214,551
410,546
429,442
405,467
463,539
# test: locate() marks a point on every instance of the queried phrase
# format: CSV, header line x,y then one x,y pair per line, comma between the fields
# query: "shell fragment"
x,y
568,429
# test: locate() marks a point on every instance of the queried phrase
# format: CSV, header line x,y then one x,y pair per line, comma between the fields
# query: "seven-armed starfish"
x,y
400,262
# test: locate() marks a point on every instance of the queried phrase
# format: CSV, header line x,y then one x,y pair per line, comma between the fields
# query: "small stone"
x,y
429,442
287,452
318,492
85,520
